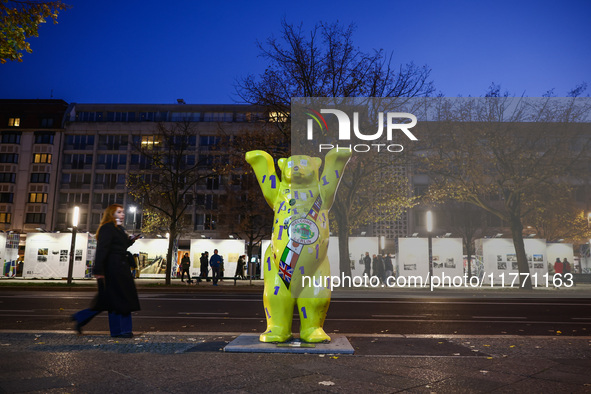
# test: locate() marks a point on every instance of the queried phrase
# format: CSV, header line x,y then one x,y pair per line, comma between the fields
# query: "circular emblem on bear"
x,y
303,231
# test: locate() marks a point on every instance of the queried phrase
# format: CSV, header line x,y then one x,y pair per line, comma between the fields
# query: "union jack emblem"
x,y
285,272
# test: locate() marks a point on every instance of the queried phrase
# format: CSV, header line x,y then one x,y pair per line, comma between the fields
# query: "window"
x,y
74,198
38,197
141,160
7,177
79,142
420,190
182,141
8,158
85,116
150,141
218,117
47,122
112,161
6,197
190,160
11,137
106,199
5,217
39,177
112,142
42,158
207,142
277,117
44,137
35,218
120,116
78,161
207,220
76,181
14,122
185,116
213,183
110,181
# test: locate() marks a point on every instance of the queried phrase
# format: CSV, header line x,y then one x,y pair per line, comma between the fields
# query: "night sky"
x,y
146,51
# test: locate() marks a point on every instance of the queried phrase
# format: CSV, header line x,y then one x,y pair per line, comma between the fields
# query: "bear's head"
x,y
300,170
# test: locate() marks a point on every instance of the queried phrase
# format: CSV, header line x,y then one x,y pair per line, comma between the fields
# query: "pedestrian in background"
x,y
216,263
367,262
240,267
116,288
388,266
204,261
185,266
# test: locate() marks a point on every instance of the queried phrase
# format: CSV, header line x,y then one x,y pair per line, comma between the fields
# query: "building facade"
x,y
31,134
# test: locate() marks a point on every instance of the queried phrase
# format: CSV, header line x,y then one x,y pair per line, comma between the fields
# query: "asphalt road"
x,y
243,312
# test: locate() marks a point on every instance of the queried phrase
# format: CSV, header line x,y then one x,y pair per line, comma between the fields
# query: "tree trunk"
x,y
469,252
522,264
171,243
344,261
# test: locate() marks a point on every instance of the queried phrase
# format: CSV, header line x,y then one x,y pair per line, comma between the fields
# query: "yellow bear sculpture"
x,y
298,251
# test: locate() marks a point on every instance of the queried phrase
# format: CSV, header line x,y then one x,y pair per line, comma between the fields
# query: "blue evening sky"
x,y
148,51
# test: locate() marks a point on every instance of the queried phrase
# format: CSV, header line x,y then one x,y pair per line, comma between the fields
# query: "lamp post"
x,y
382,243
133,210
73,244
430,242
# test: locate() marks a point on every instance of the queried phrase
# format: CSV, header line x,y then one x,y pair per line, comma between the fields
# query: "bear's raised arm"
x,y
264,167
334,164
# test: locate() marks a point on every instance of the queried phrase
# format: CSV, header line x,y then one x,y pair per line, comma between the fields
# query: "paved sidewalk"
x,y
195,362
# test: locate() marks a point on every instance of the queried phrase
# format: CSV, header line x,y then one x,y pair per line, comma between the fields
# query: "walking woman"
x,y
116,288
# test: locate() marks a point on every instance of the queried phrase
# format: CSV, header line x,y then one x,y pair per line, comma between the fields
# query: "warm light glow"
x,y
277,117
76,216
150,140
429,221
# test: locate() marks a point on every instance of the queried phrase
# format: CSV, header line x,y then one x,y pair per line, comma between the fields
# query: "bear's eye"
x,y
303,163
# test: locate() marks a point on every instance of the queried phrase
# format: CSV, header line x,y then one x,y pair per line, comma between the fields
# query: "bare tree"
x,y
169,170
511,147
324,62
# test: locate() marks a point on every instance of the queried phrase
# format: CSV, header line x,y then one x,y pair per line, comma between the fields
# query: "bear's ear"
x,y
281,163
317,162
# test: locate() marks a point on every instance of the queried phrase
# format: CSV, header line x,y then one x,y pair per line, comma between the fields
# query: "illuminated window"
x,y
277,117
42,158
5,217
14,122
148,141
38,197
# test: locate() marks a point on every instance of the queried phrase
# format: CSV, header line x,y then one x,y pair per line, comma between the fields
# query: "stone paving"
x,y
63,362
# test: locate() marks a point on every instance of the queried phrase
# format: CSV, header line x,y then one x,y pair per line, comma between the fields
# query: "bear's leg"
x,y
312,314
278,304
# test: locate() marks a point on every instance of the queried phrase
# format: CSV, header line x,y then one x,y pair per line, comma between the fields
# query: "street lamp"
x,y
430,240
133,210
382,243
73,244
